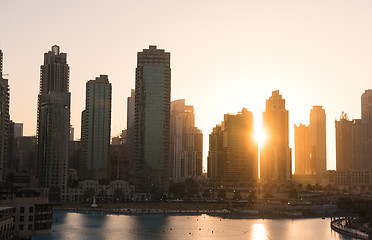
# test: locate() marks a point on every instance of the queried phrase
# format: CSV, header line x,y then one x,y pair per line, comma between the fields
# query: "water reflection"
x,y
97,226
259,232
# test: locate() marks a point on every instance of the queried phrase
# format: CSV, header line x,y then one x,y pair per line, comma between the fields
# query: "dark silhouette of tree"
x,y
89,194
221,194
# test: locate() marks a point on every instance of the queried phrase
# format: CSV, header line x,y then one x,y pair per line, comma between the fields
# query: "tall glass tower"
x,y
96,129
53,125
4,121
152,121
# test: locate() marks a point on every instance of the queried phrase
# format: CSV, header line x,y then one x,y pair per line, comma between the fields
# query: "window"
x,y
31,210
31,218
29,226
21,218
22,210
21,227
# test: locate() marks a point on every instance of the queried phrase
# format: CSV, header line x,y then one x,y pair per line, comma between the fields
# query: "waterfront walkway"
x,y
129,211
339,225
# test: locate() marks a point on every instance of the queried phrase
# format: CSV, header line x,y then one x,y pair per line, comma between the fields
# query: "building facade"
x,y
302,151
96,130
152,121
366,125
216,154
318,145
276,158
310,144
130,137
241,148
53,124
348,144
186,143
233,150
4,122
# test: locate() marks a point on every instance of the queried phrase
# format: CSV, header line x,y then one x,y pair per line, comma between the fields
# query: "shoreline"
x,y
338,225
223,213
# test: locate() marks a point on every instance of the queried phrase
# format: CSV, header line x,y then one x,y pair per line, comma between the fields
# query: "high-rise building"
x,y
25,156
1,63
4,122
186,143
318,145
53,125
152,121
276,158
233,150
18,130
310,144
241,148
366,121
302,151
216,154
96,130
344,143
130,137
348,142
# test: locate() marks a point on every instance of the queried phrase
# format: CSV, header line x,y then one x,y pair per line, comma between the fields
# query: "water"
x,y
95,226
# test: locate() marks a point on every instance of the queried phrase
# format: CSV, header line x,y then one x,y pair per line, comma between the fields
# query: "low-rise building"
x,y
32,213
6,223
351,178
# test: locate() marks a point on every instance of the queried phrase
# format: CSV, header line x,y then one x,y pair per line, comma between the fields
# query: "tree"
x,y
118,195
237,195
252,196
191,188
292,193
178,189
221,194
89,194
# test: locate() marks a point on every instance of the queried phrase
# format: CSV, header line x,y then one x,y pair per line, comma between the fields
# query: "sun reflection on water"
x,y
259,232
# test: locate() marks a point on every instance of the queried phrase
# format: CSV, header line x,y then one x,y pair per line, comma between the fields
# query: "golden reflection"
x,y
259,232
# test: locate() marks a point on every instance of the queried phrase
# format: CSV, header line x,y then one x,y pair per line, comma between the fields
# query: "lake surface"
x,y
96,225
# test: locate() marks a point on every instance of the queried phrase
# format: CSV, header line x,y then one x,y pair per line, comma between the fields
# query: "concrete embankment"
x,y
339,225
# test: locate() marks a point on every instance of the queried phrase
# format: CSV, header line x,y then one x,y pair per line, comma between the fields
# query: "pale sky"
x,y
225,55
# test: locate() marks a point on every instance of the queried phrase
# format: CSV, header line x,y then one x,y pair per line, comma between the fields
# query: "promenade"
x,y
339,225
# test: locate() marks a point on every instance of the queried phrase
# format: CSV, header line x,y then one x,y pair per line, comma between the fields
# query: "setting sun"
x,y
260,136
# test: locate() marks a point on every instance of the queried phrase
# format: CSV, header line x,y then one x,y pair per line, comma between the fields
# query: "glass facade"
x,y
152,116
96,129
53,127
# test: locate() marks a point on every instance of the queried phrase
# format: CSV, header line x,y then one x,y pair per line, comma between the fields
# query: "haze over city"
x,y
223,56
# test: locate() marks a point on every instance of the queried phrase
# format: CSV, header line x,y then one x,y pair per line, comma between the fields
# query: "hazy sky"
x,y
225,55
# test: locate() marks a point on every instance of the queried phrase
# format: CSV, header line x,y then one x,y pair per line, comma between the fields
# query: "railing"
x,y
338,225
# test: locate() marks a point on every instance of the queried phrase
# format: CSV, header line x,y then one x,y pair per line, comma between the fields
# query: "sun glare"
x,y
260,137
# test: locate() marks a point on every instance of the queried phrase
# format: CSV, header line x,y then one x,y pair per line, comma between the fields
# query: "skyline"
x,y
241,68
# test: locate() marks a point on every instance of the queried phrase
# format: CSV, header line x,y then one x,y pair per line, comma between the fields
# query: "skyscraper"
x,y
241,148
310,144
302,151
96,130
4,121
186,148
216,154
53,125
318,145
152,121
130,137
233,150
366,154
18,130
344,143
276,159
